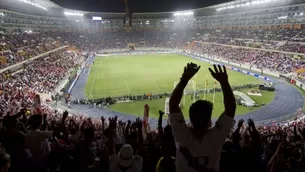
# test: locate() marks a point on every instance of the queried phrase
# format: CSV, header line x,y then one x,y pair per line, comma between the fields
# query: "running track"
x,y
287,100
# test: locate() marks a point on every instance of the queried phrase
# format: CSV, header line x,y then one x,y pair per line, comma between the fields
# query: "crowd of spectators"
x,y
274,61
289,40
39,76
42,139
120,39
78,143
276,34
35,137
18,47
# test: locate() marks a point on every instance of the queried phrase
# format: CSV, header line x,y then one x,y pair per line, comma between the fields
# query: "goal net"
x,y
190,89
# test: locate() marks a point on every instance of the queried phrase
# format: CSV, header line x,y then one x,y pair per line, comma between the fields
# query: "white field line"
x,y
154,80
127,87
156,85
93,83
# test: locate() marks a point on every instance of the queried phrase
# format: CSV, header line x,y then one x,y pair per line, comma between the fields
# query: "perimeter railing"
x,y
284,120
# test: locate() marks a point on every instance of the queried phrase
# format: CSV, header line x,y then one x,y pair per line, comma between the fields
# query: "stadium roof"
x,y
35,7
229,3
48,4
46,8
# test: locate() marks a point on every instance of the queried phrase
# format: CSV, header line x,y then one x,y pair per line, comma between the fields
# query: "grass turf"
x,y
137,108
154,73
139,74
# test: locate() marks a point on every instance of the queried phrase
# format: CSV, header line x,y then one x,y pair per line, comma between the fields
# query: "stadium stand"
x,y
34,136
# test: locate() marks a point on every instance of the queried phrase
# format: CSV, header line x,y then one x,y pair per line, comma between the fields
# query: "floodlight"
x,y
96,18
184,13
68,13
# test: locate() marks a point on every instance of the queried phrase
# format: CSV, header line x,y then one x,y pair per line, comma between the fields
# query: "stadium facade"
x,y
46,15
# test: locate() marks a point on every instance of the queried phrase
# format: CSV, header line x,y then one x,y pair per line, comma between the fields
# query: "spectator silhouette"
x,y
198,148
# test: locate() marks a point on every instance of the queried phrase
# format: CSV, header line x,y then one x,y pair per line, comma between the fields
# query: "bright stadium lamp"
x,y
70,13
184,13
96,18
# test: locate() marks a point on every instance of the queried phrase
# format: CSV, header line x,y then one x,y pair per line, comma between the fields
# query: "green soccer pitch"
x,y
155,73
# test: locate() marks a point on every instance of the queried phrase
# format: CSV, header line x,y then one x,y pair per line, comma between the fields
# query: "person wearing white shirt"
x,y
125,160
37,142
199,147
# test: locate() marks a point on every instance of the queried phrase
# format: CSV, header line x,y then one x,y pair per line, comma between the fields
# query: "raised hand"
x,y
251,123
219,74
189,71
240,123
161,113
65,115
103,119
139,123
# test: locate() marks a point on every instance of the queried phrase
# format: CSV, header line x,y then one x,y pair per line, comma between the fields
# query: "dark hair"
x,y
89,134
10,122
4,159
35,121
168,129
201,113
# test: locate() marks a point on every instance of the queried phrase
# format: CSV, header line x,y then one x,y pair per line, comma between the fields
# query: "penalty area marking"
x,y
127,87
158,88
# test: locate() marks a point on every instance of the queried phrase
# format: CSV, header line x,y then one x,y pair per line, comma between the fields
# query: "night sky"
x,y
136,5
